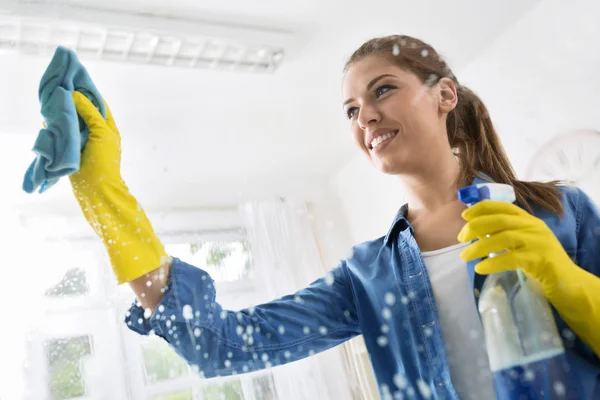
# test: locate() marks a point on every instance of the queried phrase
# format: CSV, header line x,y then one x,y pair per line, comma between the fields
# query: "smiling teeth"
x,y
378,140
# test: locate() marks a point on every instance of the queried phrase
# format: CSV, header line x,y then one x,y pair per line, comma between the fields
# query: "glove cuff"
x,y
121,223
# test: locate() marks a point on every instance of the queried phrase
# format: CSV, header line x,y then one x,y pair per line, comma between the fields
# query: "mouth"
x,y
382,140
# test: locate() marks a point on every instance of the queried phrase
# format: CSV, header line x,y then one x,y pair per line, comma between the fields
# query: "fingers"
x,y
508,261
109,119
489,207
87,111
507,240
490,224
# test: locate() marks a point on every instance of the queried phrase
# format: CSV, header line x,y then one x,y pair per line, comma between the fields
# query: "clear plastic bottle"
x,y
526,353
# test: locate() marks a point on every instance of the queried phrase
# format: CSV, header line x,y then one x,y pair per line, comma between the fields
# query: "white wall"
x,y
538,79
369,199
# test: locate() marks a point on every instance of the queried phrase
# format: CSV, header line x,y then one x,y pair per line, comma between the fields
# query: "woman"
x,y
409,292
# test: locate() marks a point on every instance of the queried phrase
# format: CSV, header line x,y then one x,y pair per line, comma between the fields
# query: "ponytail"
x,y
478,147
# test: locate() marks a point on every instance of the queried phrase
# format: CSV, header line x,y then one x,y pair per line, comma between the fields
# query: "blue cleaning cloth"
x,y
59,145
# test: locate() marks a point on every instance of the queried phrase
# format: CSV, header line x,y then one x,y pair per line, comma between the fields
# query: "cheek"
x,y
358,136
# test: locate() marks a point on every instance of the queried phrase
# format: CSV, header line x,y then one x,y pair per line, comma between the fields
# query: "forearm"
x,y
223,342
150,288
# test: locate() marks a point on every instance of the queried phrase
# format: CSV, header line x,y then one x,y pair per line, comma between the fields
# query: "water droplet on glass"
x,y
265,357
298,299
223,314
559,388
197,332
323,330
410,392
386,313
188,312
424,389
382,341
198,347
424,53
412,294
147,313
529,375
140,321
227,364
206,355
400,381
396,50
385,328
568,334
249,329
168,323
329,278
390,299
428,331
281,329
404,300
239,330
148,283
287,354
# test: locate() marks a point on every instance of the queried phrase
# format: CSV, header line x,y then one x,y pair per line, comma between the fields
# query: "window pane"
x,y
65,362
225,261
263,387
161,362
228,390
73,283
186,395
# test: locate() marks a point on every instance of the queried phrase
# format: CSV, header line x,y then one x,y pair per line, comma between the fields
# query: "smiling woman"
x,y
412,118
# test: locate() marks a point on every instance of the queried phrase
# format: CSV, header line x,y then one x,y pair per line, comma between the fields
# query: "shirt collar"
x,y
400,221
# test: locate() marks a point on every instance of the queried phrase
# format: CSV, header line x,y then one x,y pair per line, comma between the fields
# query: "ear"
x,y
448,95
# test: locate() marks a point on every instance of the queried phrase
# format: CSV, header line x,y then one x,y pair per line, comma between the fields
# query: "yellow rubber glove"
x,y
532,246
104,198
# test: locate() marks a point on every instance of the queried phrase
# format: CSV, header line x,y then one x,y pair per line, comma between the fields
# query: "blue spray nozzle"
x,y
486,191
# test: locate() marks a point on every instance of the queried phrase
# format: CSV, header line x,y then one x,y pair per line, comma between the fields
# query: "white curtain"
x,y
287,258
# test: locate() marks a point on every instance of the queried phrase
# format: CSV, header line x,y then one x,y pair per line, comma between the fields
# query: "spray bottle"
x,y
526,353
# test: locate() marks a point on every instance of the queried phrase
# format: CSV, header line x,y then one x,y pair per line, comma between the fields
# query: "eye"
x,y
381,90
351,112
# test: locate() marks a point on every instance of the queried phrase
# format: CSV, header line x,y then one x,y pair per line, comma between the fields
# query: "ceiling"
x,y
199,137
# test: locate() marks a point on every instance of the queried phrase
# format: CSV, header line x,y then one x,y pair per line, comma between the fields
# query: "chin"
x,y
388,168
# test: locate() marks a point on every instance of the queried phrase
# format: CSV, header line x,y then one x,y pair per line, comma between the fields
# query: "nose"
x,y
367,115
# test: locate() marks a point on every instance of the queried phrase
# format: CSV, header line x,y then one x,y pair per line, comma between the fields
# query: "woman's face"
x,y
397,121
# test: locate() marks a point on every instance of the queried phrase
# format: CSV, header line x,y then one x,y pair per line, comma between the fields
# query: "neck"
x,y
433,188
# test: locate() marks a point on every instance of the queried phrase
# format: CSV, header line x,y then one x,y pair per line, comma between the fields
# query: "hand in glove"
x,y
532,246
107,205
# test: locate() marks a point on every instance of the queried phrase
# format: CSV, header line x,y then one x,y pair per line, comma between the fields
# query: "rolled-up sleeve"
x,y
217,342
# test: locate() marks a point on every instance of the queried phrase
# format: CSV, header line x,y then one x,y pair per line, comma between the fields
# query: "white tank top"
x,y
459,320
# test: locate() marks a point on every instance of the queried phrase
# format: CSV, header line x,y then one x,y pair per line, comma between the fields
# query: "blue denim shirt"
x,y
382,292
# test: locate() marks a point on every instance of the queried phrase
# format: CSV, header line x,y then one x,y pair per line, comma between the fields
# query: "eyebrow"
x,y
370,85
